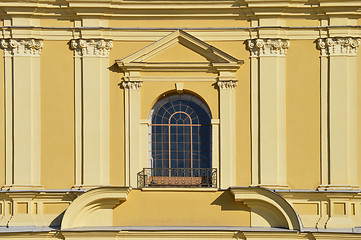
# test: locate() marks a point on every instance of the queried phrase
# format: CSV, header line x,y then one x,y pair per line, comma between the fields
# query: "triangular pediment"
x,y
177,53
178,48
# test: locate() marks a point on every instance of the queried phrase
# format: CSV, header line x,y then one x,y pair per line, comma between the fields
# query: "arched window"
x,y
180,137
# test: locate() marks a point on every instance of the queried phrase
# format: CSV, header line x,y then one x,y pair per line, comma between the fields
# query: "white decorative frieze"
x,y
91,47
22,47
227,84
268,46
334,46
132,85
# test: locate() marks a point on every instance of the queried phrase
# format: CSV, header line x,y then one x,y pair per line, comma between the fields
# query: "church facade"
x,y
133,119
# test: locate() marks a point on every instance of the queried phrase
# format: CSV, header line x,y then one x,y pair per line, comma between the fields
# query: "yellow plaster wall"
x,y
23,208
306,208
2,121
50,22
55,207
177,23
116,98
57,115
180,208
301,22
358,104
243,135
177,53
303,115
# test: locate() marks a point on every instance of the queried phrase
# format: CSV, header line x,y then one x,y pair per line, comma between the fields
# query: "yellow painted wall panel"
x,y
57,115
339,208
56,23
243,135
177,23
54,208
22,208
358,122
177,53
301,22
303,115
306,208
116,98
2,121
181,208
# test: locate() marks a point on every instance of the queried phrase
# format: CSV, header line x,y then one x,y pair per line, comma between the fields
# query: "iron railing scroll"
x,y
177,177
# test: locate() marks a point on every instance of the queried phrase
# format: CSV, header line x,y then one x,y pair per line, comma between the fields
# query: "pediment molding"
x,y
217,59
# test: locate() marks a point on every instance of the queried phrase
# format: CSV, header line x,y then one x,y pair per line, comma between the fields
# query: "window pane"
x,y
178,143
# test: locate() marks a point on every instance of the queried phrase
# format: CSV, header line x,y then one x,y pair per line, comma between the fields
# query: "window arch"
x,y
180,133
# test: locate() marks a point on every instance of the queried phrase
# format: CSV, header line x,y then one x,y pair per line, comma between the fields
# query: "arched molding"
x,y
94,208
184,91
269,205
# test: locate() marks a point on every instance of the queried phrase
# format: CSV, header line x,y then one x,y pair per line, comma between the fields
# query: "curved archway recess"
x,y
279,212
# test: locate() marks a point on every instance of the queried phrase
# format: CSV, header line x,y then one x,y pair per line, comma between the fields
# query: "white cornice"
x,y
201,8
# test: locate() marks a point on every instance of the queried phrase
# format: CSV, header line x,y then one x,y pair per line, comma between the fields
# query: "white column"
x,y
227,130
338,119
91,61
132,130
22,112
268,111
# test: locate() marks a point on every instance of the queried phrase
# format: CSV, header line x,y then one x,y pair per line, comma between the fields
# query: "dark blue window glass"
x,y
180,133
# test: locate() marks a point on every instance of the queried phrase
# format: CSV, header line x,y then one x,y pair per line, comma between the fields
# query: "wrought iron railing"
x,y
177,177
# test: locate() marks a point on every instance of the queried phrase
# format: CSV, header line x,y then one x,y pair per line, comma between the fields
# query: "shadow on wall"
x,y
226,202
56,223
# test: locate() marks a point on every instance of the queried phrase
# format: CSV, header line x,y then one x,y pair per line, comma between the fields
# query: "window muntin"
x,y
180,133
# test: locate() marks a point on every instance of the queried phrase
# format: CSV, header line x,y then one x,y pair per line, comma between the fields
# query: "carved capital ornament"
x,y
91,47
227,84
132,85
22,47
268,46
334,46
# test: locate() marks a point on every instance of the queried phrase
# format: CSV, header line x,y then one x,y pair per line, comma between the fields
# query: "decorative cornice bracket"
x,y
267,46
91,47
338,46
22,47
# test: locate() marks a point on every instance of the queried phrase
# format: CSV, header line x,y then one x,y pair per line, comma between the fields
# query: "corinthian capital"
x,y
91,47
22,47
268,46
227,84
338,45
132,85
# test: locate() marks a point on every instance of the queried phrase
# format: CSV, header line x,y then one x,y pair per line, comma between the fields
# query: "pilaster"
x,y
227,134
132,129
22,112
268,111
338,112
91,62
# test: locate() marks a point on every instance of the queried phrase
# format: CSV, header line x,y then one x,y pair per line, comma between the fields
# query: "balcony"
x,y
178,177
